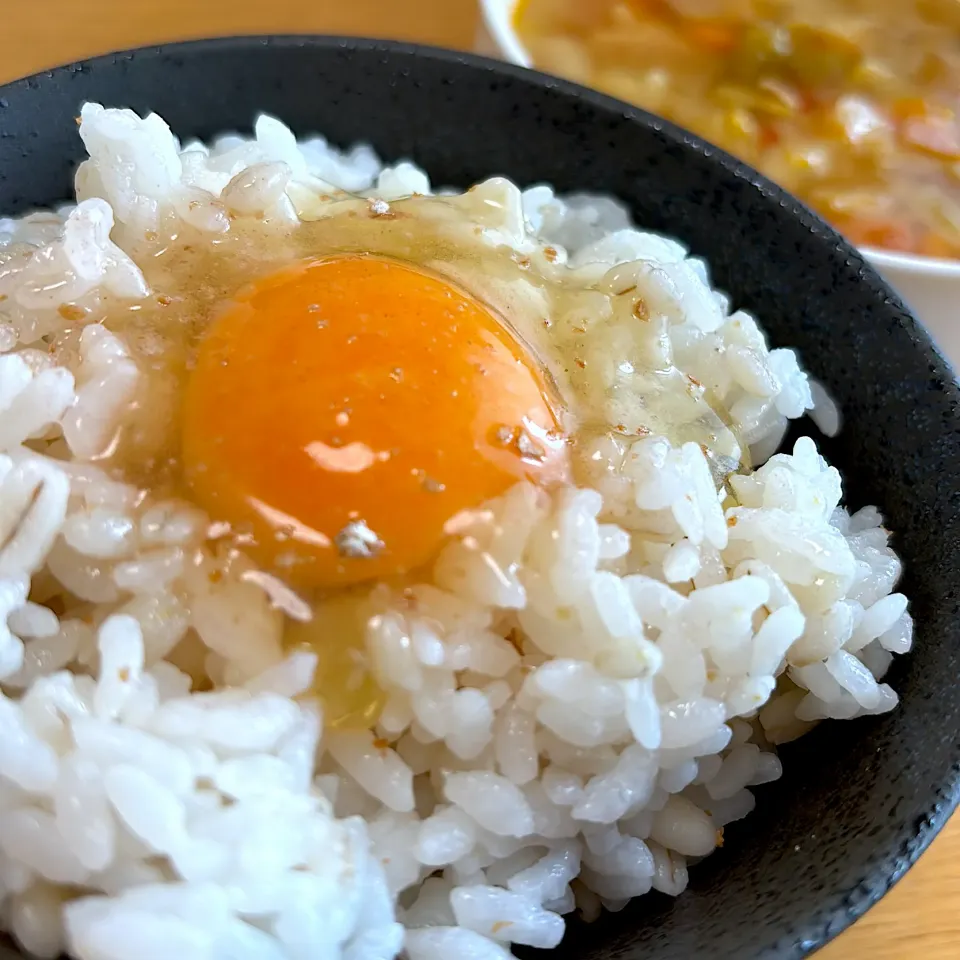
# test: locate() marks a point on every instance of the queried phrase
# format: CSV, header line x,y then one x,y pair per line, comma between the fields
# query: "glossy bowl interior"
x,y
859,801
930,285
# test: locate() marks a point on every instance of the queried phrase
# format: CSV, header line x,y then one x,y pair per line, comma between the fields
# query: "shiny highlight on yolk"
x,y
344,409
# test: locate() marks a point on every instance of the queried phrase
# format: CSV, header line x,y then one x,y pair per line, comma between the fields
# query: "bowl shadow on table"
x,y
859,801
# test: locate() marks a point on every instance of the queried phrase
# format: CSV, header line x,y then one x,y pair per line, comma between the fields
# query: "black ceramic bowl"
x,y
858,801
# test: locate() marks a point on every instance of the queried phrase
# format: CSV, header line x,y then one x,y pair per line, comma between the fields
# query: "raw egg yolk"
x,y
343,410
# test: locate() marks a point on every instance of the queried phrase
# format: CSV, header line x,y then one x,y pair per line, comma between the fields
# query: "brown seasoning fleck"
x,y
71,312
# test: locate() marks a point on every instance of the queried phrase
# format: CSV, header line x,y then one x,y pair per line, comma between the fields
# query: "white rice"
x,y
665,639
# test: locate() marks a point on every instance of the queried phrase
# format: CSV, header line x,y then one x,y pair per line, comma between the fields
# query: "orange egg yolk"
x,y
343,410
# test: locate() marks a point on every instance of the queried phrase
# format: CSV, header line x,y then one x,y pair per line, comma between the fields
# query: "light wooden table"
x,y
921,917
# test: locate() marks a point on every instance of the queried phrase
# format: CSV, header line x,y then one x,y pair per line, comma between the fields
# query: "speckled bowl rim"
x,y
839,909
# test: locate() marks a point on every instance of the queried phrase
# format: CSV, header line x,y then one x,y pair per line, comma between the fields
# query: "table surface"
x,y
921,916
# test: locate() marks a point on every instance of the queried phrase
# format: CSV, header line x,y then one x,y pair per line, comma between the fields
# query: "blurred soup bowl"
x,y
931,286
